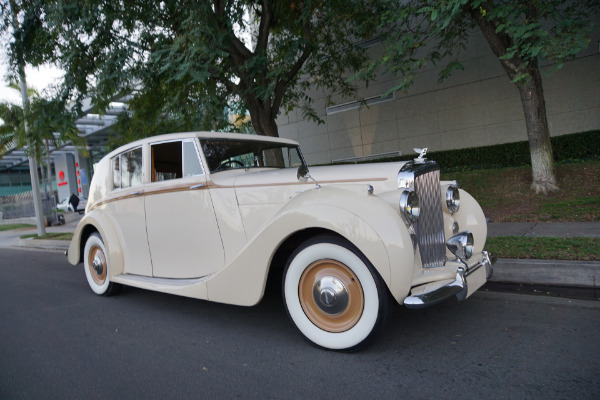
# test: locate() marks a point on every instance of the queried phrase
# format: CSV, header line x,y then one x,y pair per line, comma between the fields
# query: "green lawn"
x,y
10,227
50,236
545,248
505,194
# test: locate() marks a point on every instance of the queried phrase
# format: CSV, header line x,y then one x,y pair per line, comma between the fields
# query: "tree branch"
x,y
287,78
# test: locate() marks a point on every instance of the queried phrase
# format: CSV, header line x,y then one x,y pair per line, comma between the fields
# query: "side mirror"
x,y
302,173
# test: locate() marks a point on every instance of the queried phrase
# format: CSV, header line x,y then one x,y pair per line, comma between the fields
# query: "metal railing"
x,y
21,206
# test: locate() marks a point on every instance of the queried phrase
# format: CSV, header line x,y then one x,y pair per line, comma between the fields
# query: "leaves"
x,y
242,54
553,30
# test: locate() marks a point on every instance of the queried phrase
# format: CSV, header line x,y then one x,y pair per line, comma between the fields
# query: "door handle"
x,y
136,193
197,186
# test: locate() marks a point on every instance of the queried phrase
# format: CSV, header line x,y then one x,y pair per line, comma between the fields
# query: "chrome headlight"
x,y
409,206
452,199
461,245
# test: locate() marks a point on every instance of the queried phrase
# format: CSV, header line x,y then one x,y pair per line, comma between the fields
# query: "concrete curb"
x,y
43,244
548,272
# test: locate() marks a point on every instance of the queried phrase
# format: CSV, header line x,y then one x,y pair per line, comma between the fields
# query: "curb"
x,y
584,274
43,244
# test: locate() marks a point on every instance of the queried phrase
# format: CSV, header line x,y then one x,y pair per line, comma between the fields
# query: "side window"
x,y
127,169
116,172
191,163
174,160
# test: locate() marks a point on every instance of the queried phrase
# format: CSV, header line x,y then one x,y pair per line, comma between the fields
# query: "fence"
x,y
21,205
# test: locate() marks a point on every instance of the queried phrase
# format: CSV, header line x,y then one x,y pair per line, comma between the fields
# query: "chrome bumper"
x,y
458,287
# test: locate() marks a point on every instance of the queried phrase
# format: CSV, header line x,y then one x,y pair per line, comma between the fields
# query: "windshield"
x,y
223,154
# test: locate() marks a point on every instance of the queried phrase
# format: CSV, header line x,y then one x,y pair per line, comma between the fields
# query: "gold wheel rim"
x,y
350,300
97,265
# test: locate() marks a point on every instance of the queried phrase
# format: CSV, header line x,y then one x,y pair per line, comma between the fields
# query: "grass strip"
x,y
50,236
545,248
10,227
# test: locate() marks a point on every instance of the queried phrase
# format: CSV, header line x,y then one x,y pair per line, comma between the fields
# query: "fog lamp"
x,y
461,245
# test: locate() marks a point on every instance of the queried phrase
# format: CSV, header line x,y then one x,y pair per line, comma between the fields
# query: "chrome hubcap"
x,y
330,295
97,264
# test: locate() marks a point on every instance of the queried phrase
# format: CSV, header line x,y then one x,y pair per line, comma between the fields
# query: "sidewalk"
x,y
584,274
545,229
13,238
547,272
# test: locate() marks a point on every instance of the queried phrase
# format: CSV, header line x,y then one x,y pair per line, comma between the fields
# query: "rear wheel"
x,y
96,267
333,294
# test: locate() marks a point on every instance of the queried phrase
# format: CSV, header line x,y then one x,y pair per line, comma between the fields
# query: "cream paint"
x,y
182,231
229,220
131,217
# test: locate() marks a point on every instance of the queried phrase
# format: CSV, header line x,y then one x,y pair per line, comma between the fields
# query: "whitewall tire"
x,y
96,266
333,294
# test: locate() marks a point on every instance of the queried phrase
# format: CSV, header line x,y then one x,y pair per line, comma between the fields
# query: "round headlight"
x,y
409,206
452,199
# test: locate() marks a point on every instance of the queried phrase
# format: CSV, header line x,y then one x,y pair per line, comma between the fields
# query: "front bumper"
x,y
468,280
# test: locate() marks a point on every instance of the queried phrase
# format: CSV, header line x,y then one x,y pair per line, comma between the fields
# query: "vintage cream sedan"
x,y
214,215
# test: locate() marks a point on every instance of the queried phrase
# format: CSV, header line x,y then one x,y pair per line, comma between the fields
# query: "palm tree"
x,y
50,124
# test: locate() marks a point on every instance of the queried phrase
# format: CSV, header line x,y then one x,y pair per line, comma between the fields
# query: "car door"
x,y
127,209
183,234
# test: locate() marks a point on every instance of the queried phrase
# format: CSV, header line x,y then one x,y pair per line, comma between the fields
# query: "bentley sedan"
x,y
213,216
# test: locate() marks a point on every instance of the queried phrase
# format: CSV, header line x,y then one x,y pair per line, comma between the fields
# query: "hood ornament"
x,y
421,152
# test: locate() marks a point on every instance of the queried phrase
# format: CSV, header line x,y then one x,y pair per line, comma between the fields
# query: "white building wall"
x,y
475,107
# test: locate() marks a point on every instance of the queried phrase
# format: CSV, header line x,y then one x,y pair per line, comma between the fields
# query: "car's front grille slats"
x,y
430,227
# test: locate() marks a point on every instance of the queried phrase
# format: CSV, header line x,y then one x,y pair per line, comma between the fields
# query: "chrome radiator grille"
x,y
430,227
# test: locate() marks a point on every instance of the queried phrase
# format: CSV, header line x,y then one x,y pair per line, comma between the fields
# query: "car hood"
x,y
382,176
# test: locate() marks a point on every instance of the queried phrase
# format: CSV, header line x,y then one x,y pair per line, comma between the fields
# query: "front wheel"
x,y
334,295
96,267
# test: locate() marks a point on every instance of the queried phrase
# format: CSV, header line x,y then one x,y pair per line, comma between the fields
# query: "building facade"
x,y
476,107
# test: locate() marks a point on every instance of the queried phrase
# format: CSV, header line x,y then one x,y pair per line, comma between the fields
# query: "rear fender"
x,y
105,226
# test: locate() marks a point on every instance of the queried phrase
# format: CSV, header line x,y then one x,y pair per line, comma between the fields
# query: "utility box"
x,y
66,176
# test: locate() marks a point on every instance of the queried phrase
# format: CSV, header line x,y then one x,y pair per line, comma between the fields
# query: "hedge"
x,y
566,148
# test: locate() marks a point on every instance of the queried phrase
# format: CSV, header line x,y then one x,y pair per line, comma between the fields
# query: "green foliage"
x,y
184,57
566,148
519,32
33,44
48,121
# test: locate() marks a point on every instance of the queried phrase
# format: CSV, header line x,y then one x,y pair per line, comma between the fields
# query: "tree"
x,y
242,54
31,43
22,21
519,32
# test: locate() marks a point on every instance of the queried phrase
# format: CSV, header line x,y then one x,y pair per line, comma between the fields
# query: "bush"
x,y
566,148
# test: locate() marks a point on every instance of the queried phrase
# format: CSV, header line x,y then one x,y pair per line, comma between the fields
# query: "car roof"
x,y
201,135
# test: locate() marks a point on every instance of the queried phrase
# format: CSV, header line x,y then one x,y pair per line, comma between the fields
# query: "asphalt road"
x,y
60,341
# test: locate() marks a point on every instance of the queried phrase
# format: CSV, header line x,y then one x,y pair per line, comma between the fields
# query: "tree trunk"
x,y
263,121
540,147
532,100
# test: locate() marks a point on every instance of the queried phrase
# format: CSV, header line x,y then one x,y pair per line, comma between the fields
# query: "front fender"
x,y
98,221
367,221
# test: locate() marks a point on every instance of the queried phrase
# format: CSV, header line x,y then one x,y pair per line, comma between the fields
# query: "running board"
x,y
194,287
